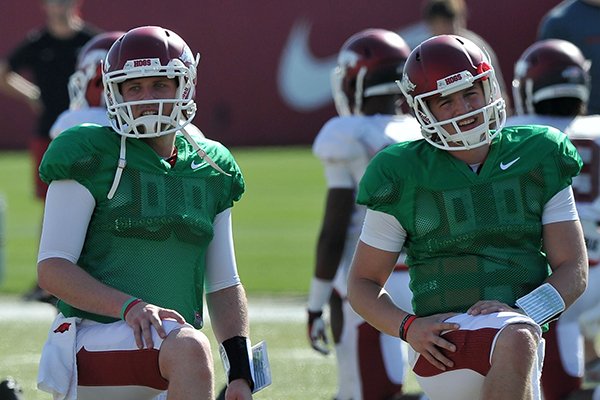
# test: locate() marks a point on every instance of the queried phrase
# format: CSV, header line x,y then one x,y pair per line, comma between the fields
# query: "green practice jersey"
x,y
471,236
150,239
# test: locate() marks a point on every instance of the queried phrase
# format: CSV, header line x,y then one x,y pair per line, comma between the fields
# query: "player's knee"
x,y
188,349
518,340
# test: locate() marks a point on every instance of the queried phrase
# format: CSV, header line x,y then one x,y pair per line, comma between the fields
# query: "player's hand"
x,y
142,316
424,335
316,332
238,390
484,307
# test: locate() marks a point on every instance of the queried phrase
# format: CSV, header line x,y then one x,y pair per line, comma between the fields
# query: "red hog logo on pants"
x,y
62,328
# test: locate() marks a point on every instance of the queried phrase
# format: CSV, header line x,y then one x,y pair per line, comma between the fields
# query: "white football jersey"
x,y
70,118
584,132
346,144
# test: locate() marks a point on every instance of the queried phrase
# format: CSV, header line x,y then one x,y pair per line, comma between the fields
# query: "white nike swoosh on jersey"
x,y
195,165
303,80
506,166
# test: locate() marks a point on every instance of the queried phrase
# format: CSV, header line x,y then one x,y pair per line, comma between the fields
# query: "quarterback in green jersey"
x,y
487,217
137,232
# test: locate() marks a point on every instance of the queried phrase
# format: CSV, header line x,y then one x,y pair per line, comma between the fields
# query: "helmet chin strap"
x,y
123,162
201,153
120,167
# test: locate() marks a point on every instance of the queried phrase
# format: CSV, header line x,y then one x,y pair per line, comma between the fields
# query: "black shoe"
x,y
10,390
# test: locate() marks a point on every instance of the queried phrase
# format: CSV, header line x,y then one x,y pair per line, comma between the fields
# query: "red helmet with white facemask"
x,y
150,51
550,69
85,84
369,63
145,52
443,65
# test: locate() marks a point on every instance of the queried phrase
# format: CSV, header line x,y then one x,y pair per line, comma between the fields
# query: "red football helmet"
x,y
145,52
85,85
550,69
443,65
369,63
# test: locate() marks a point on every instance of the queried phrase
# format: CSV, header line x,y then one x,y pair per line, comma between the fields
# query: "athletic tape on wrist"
x,y
236,353
542,304
318,296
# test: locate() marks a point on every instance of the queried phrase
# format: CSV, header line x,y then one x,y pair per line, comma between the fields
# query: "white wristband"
x,y
542,304
320,291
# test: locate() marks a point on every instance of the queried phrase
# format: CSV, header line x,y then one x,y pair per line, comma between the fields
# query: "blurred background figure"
x,y
86,93
371,365
551,86
449,17
48,55
577,22
10,389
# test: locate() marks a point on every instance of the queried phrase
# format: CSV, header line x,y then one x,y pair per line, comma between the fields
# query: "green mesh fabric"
x,y
472,236
150,239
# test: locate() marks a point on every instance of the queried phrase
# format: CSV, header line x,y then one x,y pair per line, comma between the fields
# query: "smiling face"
x,y
454,76
463,102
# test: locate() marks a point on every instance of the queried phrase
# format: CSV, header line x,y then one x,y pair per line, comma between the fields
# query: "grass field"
x,y
275,229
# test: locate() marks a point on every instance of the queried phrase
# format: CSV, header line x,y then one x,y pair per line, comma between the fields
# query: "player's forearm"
x,y
73,285
374,304
18,87
567,255
370,270
329,254
228,309
570,280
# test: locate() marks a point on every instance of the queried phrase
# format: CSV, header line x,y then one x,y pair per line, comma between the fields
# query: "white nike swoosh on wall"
x,y
303,80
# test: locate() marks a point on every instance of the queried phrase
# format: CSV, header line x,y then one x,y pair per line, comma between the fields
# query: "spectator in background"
x,y
370,364
48,55
578,21
449,17
551,87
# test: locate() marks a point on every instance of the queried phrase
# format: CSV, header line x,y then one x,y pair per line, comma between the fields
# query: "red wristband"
x,y
409,321
128,306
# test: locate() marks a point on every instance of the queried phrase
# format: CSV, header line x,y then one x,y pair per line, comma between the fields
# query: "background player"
x,y
577,22
370,365
86,93
551,86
